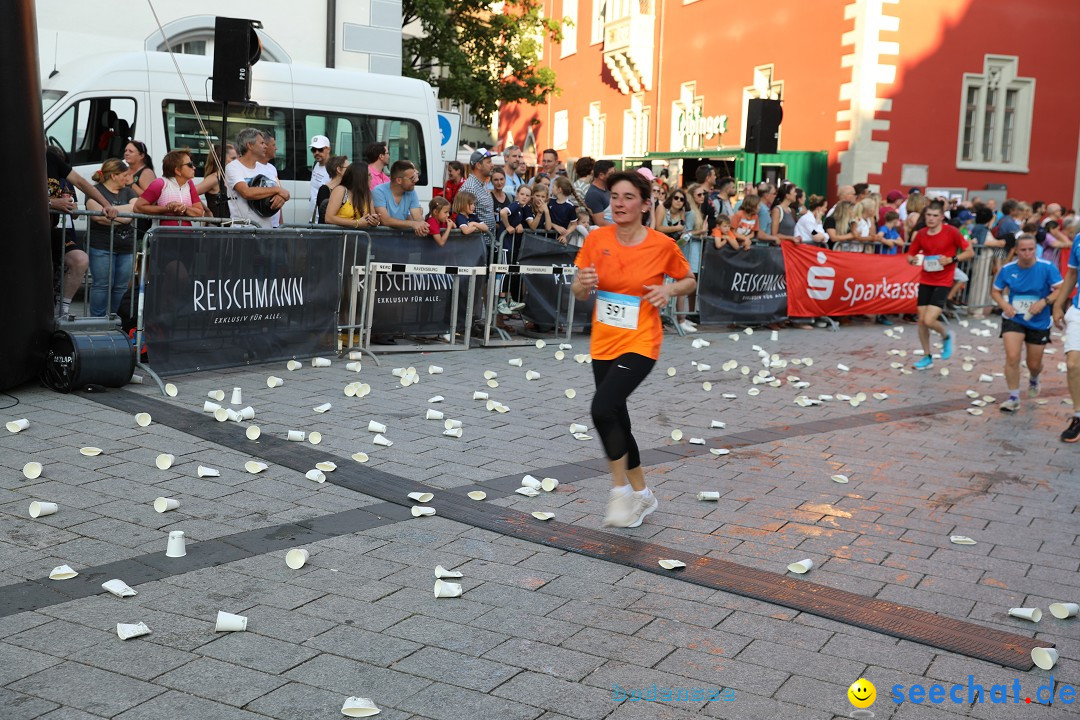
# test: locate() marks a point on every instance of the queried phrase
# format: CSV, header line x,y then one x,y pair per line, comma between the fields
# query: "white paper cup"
x,y
708,495
218,395
477,495
441,573
32,470
320,362
433,415
16,426
1045,658
142,419
434,370
314,437
363,390
293,365
376,427
356,355
297,435
676,435
354,367
479,395
421,511
322,408
445,589
39,508
527,491
801,567
570,393
126,631
253,432
137,379
453,432
255,467
1032,614
62,572
399,372
360,457
549,484
177,544
1064,610
326,466
119,588
359,707
578,428
164,461
493,384
421,497
380,440
560,355
530,482
227,622
532,375
222,414
490,374
492,404
164,504
171,390
210,407
316,475
516,362
204,471
237,397
451,424
541,515
669,564
90,451
436,399
296,558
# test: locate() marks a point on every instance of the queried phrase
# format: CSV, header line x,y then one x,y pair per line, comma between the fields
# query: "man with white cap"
x,y
320,151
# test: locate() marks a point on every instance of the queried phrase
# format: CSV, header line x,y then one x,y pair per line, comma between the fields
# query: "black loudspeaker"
x,y
76,360
236,49
763,119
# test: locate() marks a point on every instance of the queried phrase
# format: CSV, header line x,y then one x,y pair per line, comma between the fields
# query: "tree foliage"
x,y
481,53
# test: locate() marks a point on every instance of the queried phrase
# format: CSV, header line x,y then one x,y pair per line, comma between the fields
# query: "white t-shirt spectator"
x,y
235,172
804,229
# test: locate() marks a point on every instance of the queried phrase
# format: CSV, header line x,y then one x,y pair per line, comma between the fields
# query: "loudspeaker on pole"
x,y
763,119
236,48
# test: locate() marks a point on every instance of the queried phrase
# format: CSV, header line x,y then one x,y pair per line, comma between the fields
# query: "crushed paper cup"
x,y
986,378
753,391
708,495
842,479
971,393
944,372
171,390
978,403
164,461
320,362
204,471
975,411
360,457
717,425
527,491
326,466
442,573
676,435
697,441
493,384
961,540
296,558
842,368
989,398
802,567
733,337
322,408
566,346
532,375
314,437
454,432
451,424
222,414
578,428
421,511
253,432
142,419
530,482
293,365
549,484
227,622
516,362
1064,610
560,355
255,467
434,370
40,508
967,367
421,497
210,407
720,451
669,564
354,366
490,374
119,588
62,572
477,495
479,395
729,396
436,399
316,475
1032,614
177,545
380,440
1044,657
126,631
296,436
896,365
582,436
445,589
749,331
541,515
881,396
359,707
164,504
699,343
274,381
90,451
32,470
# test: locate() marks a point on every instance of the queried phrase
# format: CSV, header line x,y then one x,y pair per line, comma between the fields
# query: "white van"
x,y
93,108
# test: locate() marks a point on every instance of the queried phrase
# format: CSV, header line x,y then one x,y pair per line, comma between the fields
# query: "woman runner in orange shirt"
x,y
625,264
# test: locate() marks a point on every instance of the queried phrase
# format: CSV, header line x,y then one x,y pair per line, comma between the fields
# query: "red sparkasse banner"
x,y
823,282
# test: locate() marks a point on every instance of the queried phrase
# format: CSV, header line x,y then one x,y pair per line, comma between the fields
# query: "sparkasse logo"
x,y
819,280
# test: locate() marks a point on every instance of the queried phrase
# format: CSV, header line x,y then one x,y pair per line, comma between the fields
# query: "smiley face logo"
x,y
862,693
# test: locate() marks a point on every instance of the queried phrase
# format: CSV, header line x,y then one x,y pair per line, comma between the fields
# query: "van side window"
x,y
349,134
94,129
182,130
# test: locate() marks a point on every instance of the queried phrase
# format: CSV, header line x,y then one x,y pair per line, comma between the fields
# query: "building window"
x,y
636,127
569,40
995,117
560,130
597,20
592,135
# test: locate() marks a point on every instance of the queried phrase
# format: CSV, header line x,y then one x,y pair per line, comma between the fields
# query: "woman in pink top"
x,y
174,193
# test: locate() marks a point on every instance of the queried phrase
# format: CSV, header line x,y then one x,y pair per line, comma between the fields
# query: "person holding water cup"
x,y
625,264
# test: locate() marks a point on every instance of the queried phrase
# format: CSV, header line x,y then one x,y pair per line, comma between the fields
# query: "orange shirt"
x,y
625,271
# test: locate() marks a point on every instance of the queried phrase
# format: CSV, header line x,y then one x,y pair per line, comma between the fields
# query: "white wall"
x,y
368,32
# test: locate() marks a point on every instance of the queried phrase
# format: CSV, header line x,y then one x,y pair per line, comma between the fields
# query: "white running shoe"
x,y
516,306
641,507
1010,405
619,502
687,327
504,308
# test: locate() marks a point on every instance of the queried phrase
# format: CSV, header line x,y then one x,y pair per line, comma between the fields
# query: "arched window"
x,y
195,36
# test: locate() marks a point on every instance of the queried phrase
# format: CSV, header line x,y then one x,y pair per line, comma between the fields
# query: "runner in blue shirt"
x,y
1070,322
1025,317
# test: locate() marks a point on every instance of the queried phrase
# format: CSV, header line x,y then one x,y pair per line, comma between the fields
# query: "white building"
x,y
353,34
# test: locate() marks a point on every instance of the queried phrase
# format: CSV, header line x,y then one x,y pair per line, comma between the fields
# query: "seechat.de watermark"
x,y
659,693
973,692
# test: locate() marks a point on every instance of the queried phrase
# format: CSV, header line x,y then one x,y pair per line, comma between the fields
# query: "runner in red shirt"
x,y
941,246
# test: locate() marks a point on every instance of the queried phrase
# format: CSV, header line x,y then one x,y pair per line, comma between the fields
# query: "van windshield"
x,y
49,98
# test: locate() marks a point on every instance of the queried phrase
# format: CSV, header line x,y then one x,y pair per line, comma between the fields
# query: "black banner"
x,y
744,286
542,291
216,299
419,304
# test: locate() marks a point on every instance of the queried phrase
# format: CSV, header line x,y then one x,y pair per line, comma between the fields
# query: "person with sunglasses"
x,y
673,220
174,193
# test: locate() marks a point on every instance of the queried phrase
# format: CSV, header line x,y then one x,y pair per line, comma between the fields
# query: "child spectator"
x,y
724,236
576,237
561,210
465,216
513,215
439,220
745,221
890,234
538,217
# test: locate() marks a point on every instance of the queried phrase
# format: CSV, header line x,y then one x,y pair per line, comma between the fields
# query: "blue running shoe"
x,y
946,350
925,363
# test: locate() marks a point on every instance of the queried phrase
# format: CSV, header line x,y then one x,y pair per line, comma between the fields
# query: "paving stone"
x,y
609,644
538,656
551,693
359,644
219,681
181,706
711,668
441,633
80,686
296,701
338,674
257,652
457,669
511,622
18,706
140,660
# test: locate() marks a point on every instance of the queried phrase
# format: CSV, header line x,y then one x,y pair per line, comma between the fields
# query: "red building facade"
x,y
965,95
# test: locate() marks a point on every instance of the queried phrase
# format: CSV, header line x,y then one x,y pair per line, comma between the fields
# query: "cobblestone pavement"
x,y
541,633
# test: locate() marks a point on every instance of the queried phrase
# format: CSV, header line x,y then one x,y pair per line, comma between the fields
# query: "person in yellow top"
x,y
625,264
350,202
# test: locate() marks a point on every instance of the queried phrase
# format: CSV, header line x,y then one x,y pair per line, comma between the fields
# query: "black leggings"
x,y
615,380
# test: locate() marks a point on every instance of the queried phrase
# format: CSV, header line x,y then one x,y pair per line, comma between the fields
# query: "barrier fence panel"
x,y
546,291
219,298
742,286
